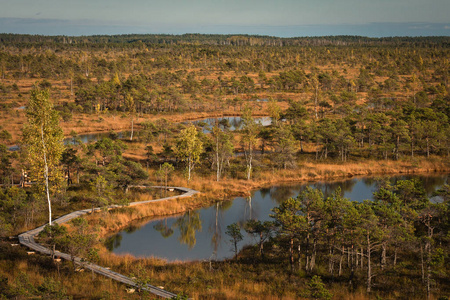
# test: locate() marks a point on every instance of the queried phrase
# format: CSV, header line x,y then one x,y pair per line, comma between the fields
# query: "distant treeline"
x,y
218,39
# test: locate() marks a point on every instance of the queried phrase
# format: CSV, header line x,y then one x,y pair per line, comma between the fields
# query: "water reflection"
x,y
188,225
215,229
113,242
230,123
182,237
227,123
93,137
162,228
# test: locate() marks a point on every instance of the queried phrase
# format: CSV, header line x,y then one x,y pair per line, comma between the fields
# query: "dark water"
x,y
234,123
93,137
200,234
87,138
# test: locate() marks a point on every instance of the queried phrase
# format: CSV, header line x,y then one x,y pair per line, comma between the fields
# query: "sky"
x,y
283,18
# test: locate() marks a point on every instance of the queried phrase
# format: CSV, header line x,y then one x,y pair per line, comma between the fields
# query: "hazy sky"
x,y
279,18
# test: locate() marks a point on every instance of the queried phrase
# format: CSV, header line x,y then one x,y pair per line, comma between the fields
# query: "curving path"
x,y
27,239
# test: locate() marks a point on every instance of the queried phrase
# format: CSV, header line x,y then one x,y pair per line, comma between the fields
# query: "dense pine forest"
x,y
338,106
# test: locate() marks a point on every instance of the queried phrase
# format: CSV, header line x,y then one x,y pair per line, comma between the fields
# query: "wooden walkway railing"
x,y
27,239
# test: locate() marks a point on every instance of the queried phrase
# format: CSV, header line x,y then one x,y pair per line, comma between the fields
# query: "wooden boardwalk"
x,y
27,239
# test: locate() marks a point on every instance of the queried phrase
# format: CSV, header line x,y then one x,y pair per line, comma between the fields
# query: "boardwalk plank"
x,y
27,239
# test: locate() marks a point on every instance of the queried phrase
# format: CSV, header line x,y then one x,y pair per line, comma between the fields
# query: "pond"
x,y
233,122
93,137
200,234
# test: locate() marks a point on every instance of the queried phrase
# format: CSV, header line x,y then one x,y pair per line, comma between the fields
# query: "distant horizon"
x,y
282,18
56,27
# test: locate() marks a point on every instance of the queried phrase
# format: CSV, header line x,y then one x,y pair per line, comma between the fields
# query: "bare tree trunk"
x,y
330,261
428,277
313,256
357,258
291,253
307,254
132,128
249,164
395,257
428,249
352,267
217,159
362,258
348,257
369,266
383,255
46,178
316,94
422,263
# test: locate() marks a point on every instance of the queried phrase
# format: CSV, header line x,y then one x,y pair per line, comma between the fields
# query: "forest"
x,y
337,107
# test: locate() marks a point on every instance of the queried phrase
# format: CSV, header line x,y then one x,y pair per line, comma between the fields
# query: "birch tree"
x,y
43,143
249,139
189,147
223,149
131,106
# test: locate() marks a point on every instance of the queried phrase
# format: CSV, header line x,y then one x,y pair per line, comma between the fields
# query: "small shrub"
x,y
317,289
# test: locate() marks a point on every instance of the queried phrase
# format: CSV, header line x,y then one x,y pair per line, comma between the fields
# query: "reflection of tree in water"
x,y
113,242
188,225
431,184
216,229
252,209
224,124
236,123
225,205
264,192
162,228
248,209
370,181
329,188
132,228
281,193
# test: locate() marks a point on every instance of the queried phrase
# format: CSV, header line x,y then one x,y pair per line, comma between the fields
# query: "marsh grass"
x,y
247,278
25,276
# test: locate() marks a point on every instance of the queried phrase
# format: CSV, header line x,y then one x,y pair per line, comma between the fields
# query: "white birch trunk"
x,y
46,178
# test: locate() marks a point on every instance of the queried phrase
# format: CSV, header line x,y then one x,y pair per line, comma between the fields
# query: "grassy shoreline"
x,y
229,279
212,191
178,276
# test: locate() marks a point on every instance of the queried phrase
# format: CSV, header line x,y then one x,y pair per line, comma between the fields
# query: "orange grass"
x,y
213,191
79,285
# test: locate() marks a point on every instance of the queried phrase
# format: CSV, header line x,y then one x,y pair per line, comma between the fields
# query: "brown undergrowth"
x,y
24,276
224,283
212,191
